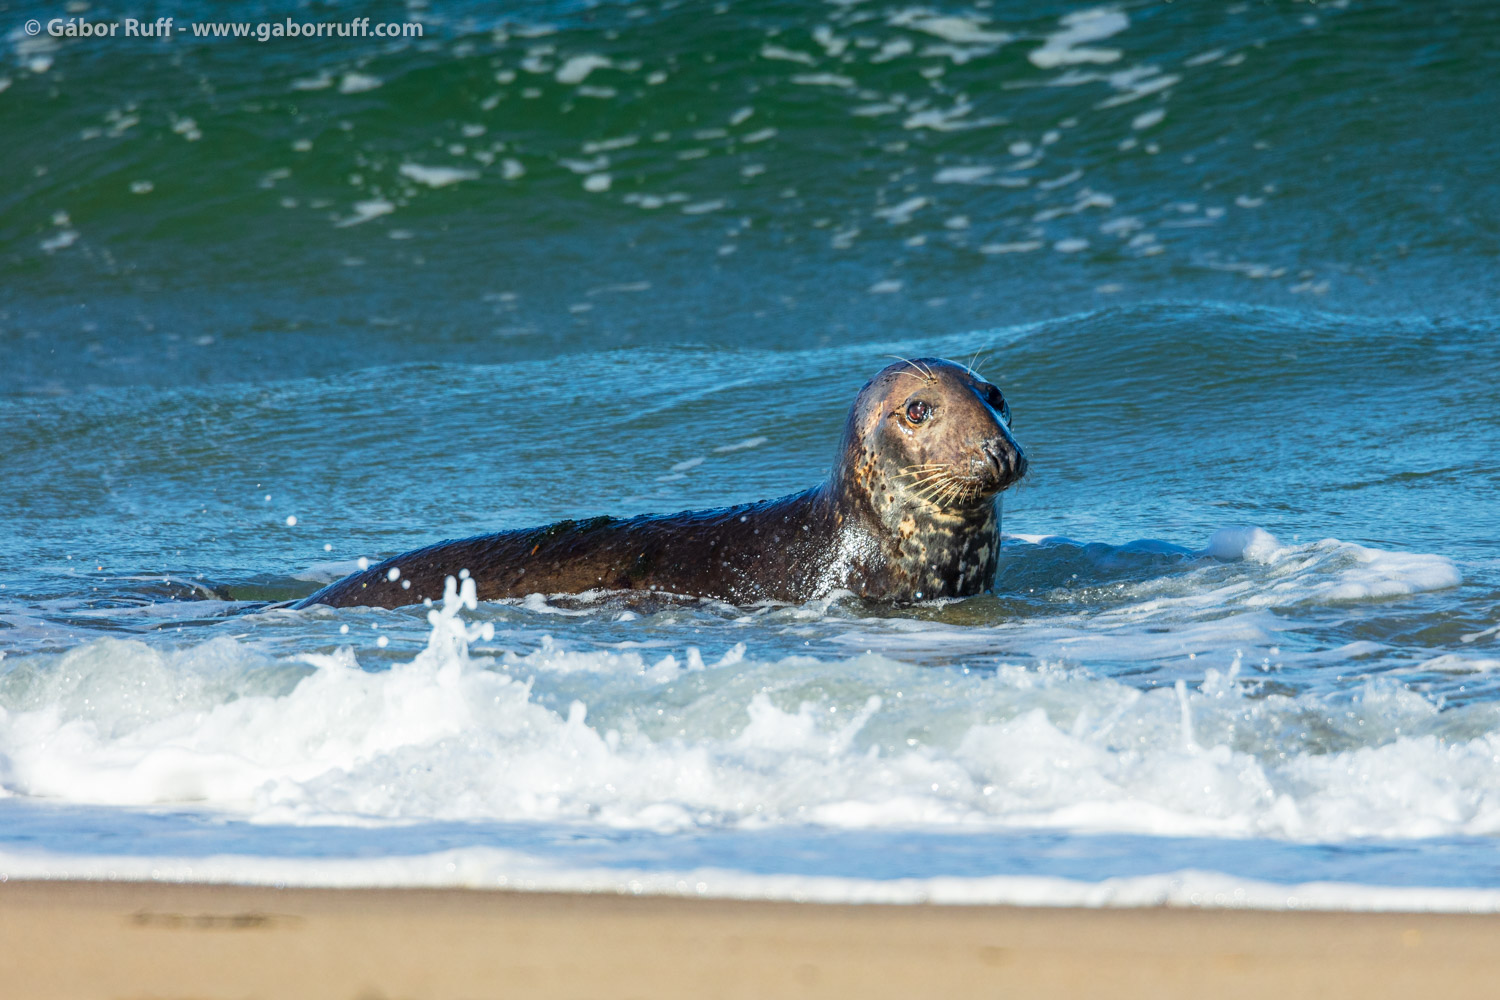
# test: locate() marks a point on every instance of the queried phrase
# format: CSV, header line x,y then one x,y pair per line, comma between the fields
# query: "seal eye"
x,y
917,411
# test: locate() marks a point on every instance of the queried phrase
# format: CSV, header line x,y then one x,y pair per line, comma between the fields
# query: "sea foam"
x,y
635,739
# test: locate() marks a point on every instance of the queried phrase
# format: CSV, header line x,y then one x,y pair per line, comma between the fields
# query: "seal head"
x,y
926,451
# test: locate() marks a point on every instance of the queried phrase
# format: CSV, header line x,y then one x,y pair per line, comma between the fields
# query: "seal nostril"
x,y
998,460
1007,461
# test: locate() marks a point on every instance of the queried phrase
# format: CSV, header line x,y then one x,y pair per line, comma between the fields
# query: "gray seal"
x,y
909,512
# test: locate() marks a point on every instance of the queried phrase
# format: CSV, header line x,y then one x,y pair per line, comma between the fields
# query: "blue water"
x,y
268,308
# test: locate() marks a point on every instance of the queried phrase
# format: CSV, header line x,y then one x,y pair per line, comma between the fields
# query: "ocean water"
x,y
269,308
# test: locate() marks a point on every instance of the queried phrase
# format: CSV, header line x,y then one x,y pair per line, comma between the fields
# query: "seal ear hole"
x,y
917,412
996,399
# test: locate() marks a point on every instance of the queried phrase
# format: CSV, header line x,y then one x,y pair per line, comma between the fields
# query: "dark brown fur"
x,y
908,513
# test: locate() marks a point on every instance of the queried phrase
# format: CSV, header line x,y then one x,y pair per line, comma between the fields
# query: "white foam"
x,y
901,214
962,175
578,68
892,49
1020,246
1242,543
1147,119
608,145
832,44
317,739
364,211
63,239
1330,571
954,119
436,177
1136,83
358,83
965,30
823,80
787,55
496,868
1069,46
1453,663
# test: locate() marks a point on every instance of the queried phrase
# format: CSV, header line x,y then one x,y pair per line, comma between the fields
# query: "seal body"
x,y
909,512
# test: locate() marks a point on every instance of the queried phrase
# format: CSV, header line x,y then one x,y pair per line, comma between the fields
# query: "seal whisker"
x,y
929,491
919,486
939,476
919,491
922,375
974,362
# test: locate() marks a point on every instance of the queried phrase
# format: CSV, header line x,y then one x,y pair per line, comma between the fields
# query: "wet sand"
x,y
92,939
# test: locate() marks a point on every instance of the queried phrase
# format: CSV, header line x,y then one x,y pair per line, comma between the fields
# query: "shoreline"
x,y
107,939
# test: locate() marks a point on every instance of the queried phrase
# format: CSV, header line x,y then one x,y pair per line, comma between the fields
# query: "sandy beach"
x,y
92,939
